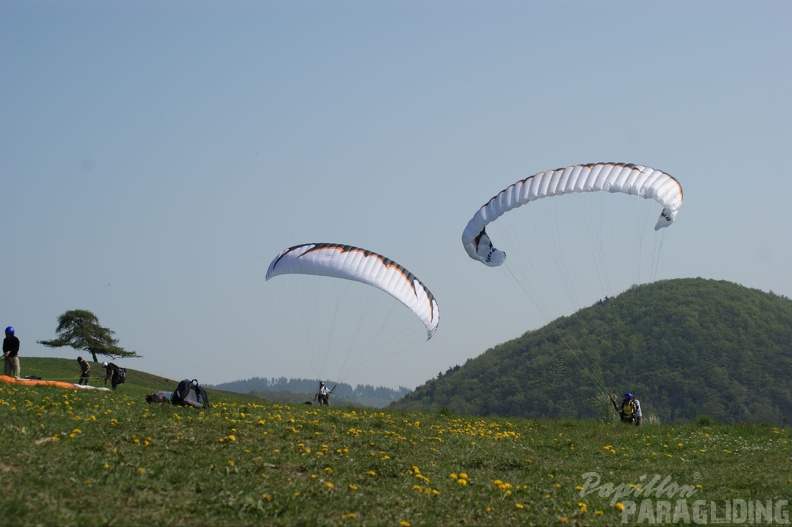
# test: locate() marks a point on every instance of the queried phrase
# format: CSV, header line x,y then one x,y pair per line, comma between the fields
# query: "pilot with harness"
x,y
626,409
324,394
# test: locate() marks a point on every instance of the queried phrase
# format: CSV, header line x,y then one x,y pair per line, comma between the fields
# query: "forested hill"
x,y
280,388
688,348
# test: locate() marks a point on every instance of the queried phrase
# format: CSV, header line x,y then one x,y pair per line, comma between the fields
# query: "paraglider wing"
x,y
632,179
360,265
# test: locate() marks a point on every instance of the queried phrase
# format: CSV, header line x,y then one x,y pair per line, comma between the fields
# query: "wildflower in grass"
x,y
141,470
598,512
582,507
620,506
462,482
328,470
463,475
266,497
352,487
231,463
453,476
579,488
231,437
349,516
405,523
371,473
519,505
329,484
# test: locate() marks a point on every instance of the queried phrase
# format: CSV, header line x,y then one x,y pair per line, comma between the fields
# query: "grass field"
x,y
84,457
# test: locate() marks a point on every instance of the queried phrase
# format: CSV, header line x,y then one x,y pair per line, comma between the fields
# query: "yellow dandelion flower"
x,y
353,487
519,505
231,463
453,476
329,485
463,475
349,516
405,523
620,506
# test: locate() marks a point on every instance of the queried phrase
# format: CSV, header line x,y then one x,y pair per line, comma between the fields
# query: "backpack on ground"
x,y
190,393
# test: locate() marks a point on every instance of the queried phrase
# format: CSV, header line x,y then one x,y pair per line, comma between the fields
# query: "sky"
x,y
156,156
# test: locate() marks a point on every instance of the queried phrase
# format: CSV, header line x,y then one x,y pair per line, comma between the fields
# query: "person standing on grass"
x,y
324,394
85,370
112,374
638,412
626,409
11,353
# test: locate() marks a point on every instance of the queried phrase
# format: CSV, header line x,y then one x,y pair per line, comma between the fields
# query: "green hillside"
x,y
138,384
688,348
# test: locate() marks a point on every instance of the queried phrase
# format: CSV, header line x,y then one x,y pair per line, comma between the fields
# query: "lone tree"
x,y
80,329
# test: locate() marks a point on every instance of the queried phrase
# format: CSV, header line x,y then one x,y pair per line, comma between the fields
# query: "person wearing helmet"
x,y
113,374
323,395
626,409
11,353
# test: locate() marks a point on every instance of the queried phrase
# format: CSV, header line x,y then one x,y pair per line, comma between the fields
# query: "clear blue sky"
x,y
155,156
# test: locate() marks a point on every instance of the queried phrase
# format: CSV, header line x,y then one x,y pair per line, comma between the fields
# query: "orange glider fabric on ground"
x,y
59,384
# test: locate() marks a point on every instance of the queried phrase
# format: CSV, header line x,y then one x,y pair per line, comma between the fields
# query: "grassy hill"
x,y
95,458
138,384
688,348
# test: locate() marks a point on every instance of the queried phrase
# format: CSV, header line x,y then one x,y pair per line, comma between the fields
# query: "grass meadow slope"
x,y
85,457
